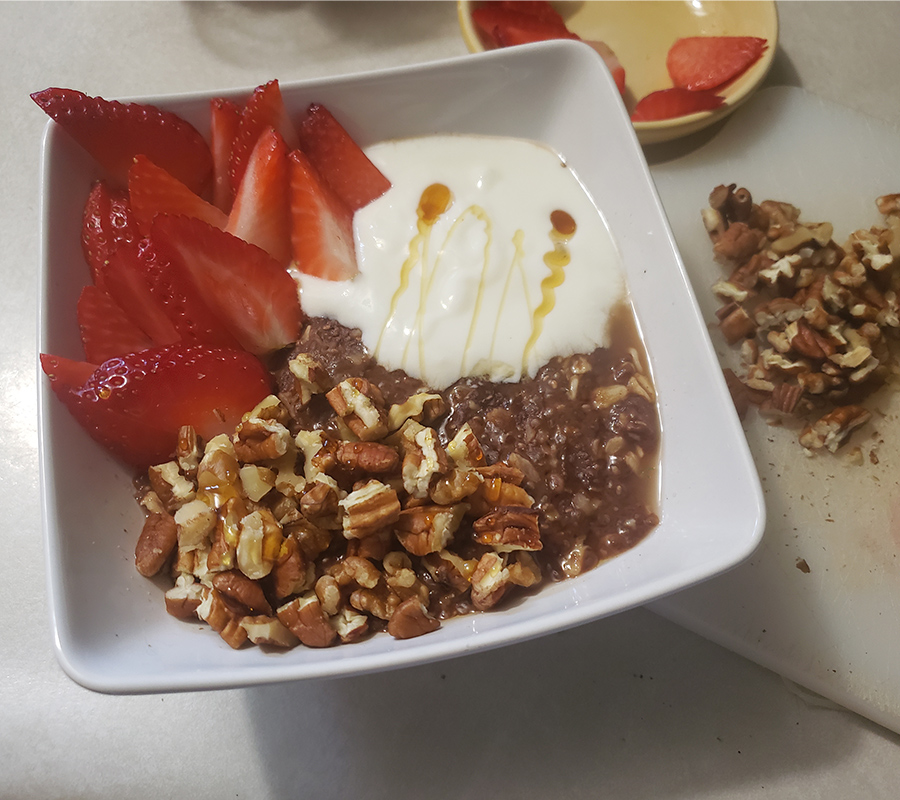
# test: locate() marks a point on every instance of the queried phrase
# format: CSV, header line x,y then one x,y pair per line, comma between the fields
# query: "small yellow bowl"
x,y
640,32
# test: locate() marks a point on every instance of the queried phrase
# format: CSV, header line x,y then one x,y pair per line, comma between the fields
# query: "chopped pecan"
x,y
738,242
292,572
259,543
309,377
184,598
423,407
737,324
509,528
465,449
320,504
349,625
256,481
455,486
216,612
834,428
328,590
268,630
305,618
155,545
368,509
172,488
424,458
241,593
489,581
428,529
371,457
411,619
195,522
361,406
261,440
524,570
355,570
187,451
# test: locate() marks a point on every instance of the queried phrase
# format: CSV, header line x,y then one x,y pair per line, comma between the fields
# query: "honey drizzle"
x,y
433,202
561,231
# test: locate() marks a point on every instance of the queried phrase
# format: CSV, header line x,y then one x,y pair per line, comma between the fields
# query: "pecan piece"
x,y
157,541
509,528
309,377
489,581
428,529
320,504
361,406
834,428
242,593
183,599
368,509
424,459
305,618
411,619
172,488
371,457
422,407
217,613
268,630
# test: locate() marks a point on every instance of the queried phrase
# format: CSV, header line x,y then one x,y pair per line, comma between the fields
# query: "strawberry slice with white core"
x,y
154,191
261,211
135,405
107,222
172,288
114,133
253,295
106,330
128,283
321,224
339,159
225,117
265,109
701,63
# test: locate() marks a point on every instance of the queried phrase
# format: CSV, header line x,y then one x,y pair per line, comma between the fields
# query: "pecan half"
x,y
509,528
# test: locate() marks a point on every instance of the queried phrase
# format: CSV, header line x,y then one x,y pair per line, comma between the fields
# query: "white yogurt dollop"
x,y
467,266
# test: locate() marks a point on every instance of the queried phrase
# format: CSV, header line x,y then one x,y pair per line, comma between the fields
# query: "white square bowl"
x,y
112,633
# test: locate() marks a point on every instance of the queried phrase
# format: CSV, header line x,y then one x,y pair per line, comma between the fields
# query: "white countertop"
x,y
630,706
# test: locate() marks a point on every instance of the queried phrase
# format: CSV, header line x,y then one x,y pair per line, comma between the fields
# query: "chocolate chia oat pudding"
x,y
581,438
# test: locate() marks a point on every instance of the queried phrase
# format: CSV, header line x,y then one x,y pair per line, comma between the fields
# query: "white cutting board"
x,y
836,629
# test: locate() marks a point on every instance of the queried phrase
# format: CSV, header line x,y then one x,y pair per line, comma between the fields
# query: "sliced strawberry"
x,y
107,222
127,282
506,27
511,22
172,287
244,286
706,62
135,405
322,225
114,133
64,372
106,330
154,191
265,109
670,103
225,117
339,159
261,212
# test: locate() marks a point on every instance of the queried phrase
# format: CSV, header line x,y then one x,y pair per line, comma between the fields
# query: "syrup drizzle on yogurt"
x,y
466,277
